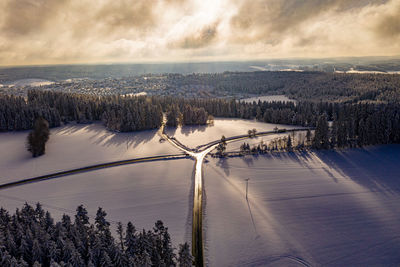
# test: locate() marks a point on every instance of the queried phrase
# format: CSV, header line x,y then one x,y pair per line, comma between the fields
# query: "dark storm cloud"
x,y
388,26
125,14
270,20
198,39
25,16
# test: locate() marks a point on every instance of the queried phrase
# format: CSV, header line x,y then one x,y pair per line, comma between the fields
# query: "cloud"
x,y
388,23
198,39
125,15
27,16
272,20
78,31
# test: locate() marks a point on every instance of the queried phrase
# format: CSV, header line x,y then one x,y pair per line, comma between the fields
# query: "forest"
x,y
337,124
310,86
30,237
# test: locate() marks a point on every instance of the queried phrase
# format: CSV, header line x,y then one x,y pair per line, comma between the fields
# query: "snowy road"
x,y
90,168
199,155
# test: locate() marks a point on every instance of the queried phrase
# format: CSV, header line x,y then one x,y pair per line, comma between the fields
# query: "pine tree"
x,y
38,137
289,144
185,257
321,137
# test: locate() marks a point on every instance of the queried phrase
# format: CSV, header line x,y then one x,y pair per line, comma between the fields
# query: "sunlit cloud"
x,y
87,31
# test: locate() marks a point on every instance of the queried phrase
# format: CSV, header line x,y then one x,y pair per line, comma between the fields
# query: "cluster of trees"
x,y
119,113
285,143
221,148
189,115
16,114
38,137
358,125
31,238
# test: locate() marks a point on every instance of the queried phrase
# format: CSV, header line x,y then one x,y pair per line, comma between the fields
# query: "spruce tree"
x,y
38,137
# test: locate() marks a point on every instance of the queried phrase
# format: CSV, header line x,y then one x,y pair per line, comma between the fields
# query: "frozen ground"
x,y
74,146
193,136
268,98
30,82
235,145
329,209
142,193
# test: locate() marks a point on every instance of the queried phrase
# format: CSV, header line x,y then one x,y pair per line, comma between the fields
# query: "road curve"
x,y
91,168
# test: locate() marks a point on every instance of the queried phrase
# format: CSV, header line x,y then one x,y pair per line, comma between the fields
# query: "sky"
x,y
108,31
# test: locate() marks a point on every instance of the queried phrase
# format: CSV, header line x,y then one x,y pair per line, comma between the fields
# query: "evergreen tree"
x,y
38,137
185,257
321,137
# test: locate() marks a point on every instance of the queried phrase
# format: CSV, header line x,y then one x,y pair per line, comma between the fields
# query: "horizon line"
x,y
193,61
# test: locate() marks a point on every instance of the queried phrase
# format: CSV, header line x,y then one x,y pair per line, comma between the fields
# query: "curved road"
x,y
91,168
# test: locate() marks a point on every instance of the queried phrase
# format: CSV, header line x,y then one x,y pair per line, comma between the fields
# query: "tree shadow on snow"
x,y
186,130
375,168
101,136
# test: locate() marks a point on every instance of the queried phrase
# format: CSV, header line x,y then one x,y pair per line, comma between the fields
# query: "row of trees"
x,y
352,124
30,237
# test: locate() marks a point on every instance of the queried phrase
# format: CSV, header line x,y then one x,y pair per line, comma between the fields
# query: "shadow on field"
x,y
99,135
375,168
186,130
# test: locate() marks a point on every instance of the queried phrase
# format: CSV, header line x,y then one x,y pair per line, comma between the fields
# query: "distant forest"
x,y
352,124
30,237
314,86
303,86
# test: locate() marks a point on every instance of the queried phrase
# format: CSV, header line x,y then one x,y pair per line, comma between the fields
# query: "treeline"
x,y
352,124
16,114
358,125
30,237
118,113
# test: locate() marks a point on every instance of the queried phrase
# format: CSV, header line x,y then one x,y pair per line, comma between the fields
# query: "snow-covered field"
x,y
268,98
30,82
193,136
329,209
142,193
74,146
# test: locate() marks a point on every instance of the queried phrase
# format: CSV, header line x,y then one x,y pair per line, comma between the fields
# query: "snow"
x,y
142,193
193,136
327,208
31,82
75,146
268,98
235,145
330,208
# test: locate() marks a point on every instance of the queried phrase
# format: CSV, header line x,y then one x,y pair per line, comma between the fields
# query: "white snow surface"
x,y
74,146
268,98
141,193
193,136
31,82
322,209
